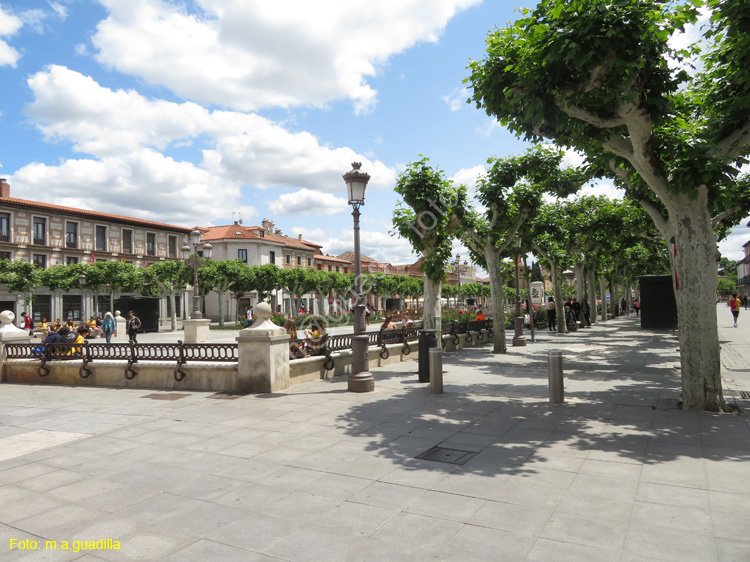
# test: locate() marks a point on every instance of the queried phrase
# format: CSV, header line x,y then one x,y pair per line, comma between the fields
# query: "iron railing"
x,y
88,353
327,345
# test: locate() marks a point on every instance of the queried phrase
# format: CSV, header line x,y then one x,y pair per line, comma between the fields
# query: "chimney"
x,y
277,231
4,188
268,225
300,238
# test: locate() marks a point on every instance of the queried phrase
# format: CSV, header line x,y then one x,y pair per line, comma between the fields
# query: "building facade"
x,y
743,271
47,235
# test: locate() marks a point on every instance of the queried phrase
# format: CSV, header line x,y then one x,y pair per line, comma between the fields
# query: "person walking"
x,y
623,307
734,305
637,307
108,326
133,325
551,313
745,300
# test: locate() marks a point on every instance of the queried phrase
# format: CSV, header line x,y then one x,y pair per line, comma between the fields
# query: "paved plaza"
x,y
318,473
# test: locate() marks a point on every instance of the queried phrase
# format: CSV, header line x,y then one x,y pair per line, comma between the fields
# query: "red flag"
x,y
122,260
92,258
148,262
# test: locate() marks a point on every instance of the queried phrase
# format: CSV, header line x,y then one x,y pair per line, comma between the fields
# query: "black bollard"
x,y
427,339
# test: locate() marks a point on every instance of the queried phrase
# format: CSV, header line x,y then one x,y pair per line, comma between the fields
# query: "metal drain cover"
x,y
450,456
168,396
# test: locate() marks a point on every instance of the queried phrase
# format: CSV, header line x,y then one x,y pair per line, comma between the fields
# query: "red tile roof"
x,y
228,231
321,257
49,207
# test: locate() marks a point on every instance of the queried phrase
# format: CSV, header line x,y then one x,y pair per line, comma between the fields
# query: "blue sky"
x,y
189,112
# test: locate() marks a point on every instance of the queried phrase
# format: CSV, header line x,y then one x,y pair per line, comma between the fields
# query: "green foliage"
x,y
726,287
423,217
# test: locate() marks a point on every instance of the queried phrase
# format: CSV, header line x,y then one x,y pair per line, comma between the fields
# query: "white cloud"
x,y
145,183
9,25
251,54
81,49
572,158
731,246
308,202
377,245
456,99
311,234
60,10
490,126
243,148
34,19
468,177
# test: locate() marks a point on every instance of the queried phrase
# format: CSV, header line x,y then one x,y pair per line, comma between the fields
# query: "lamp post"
x,y
519,340
82,283
195,241
361,380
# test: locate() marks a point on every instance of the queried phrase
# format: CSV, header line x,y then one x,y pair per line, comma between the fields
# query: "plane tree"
x,y
422,217
508,194
607,81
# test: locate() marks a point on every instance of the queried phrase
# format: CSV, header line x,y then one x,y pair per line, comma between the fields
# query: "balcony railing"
x,y
39,241
4,236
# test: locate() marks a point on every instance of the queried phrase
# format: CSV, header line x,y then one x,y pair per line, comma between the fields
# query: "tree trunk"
x,y
173,316
578,271
592,294
433,311
221,307
603,295
498,306
695,293
562,326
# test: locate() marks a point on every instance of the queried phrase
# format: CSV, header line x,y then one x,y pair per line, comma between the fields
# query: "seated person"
x,y
480,316
70,324
93,330
56,337
570,319
296,351
81,334
318,337
42,327
388,324
407,322
56,325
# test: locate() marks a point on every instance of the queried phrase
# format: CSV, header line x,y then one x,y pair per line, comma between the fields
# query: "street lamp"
x,y
82,283
361,380
519,340
195,240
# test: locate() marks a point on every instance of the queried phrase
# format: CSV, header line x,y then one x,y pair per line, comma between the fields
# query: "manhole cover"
x,y
169,396
450,456
225,396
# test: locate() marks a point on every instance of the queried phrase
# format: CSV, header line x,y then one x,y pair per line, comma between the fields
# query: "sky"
x,y
200,112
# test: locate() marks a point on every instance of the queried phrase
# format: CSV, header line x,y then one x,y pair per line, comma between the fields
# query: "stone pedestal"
x,y
361,379
263,354
197,331
121,326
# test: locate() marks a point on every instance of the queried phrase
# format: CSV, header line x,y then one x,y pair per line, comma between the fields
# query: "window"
x,y
150,243
5,256
70,260
39,260
40,231
242,254
309,262
289,258
127,241
42,308
4,227
299,261
71,235
329,268
172,246
337,269
101,238
272,257
346,269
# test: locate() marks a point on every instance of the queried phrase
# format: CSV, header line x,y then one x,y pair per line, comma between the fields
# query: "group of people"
x,y
95,327
315,340
574,311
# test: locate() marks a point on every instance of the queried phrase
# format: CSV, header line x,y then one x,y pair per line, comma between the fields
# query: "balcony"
x,y
39,241
4,236
73,244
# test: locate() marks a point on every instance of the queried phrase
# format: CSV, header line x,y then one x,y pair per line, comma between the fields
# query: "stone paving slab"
x,y
318,473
